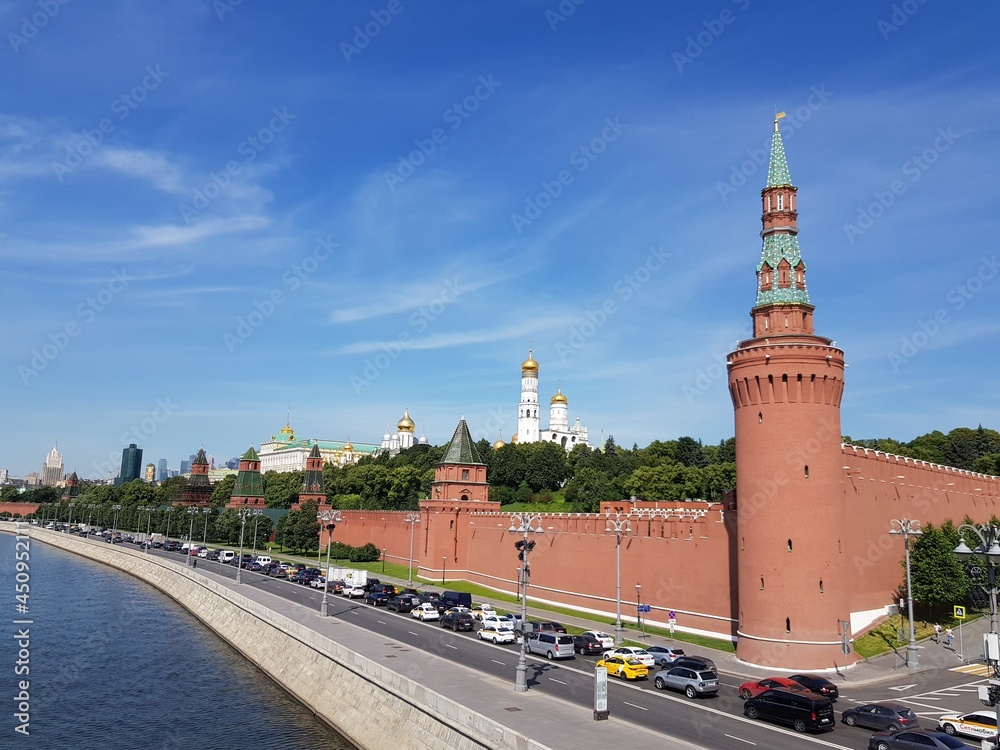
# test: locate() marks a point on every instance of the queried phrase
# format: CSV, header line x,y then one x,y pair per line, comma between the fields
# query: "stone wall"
x,y
342,687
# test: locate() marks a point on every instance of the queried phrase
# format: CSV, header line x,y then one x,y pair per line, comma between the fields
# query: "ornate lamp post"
x,y
329,519
908,527
413,519
204,533
70,522
618,526
90,516
444,567
244,513
192,512
988,549
114,524
524,523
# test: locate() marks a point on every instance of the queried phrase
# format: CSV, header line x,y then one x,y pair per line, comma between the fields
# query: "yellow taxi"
x,y
625,667
978,724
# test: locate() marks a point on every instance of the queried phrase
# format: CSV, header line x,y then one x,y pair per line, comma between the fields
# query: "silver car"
x,y
689,681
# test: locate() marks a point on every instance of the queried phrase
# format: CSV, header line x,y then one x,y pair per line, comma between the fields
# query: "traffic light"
x,y
523,548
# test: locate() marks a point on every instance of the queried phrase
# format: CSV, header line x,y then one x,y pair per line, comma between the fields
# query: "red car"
x,y
750,689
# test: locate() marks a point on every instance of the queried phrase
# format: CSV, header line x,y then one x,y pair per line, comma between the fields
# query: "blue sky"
x,y
214,212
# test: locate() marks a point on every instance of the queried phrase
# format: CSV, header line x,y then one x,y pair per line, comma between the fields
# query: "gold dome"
x,y
514,439
405,424
348,447
529,366
498,445
559,398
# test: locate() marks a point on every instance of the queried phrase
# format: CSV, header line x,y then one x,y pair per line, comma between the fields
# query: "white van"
x,y
262,559
551,645
227,556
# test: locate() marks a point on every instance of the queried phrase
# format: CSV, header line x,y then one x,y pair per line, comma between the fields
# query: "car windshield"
x,y
707,676
906,713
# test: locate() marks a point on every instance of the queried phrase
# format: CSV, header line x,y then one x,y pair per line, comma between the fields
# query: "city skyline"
x,y
213,215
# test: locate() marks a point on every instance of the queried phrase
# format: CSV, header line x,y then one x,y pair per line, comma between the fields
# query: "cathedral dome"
x,y
348,447
405,424
529,366
559,398
499,444
514,439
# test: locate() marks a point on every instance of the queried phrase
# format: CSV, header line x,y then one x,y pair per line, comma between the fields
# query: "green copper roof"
x,y
778,247
461,449
250,455
777,171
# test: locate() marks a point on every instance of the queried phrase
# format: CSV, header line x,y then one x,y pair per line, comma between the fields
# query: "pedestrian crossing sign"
x,y
959,613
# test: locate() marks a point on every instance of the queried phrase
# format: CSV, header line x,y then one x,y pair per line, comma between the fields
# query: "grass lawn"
x,y
894,633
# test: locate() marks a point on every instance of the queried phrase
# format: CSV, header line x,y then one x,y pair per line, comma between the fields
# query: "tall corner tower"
x,y
786,384
527,415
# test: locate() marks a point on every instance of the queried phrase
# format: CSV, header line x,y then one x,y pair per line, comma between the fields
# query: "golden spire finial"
x,y
777,116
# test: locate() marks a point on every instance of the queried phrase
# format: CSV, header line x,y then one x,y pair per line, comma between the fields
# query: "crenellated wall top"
x,y
871,454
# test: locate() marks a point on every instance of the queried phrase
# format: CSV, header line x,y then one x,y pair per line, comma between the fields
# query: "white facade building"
x,y
403,438
528,423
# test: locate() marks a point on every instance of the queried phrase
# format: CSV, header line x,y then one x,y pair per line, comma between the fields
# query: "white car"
x,y
641,654
496,635
604,639
353,592
425,612
979,724
482,611
498,623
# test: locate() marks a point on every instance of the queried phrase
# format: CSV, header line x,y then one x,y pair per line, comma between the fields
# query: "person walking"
x,y
937,632
948,636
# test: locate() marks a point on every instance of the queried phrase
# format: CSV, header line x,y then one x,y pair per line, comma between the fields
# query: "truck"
x,y
350,576
157,538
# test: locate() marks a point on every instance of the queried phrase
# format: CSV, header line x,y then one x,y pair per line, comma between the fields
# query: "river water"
x,y
114,663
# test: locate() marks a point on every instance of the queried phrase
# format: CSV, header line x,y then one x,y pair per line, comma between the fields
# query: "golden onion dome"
x,y
529,366
559,398
348,447
514,439
406,424
287,429
498,445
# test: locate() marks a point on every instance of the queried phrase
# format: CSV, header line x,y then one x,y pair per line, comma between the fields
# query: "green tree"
x,y
223,491
587,489
281,489
689,452
546,469
939,578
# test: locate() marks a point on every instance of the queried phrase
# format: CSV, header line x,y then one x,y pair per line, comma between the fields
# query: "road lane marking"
x,y
502,664
380,622
412,633
633,705
450,646
555,680
734,737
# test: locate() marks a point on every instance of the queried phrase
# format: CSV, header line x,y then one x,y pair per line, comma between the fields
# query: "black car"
x,y
697,663
377,598
817,684
402,603
888,716
547,626
922,738
586,644
458,621
802,710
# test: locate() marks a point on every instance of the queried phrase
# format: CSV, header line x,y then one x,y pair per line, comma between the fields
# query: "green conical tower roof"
x,y
249,482
250,455
777,171
461,449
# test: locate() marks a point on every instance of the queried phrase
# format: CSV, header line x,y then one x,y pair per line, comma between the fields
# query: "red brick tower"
x,y
249,487
786,384
312,481
461,474
198,489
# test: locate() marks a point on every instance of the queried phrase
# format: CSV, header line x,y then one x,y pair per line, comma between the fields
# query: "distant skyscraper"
x,y
131,464
52,469
161,470
186,467
3,476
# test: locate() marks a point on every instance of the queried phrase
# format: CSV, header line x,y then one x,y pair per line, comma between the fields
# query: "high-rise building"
x,y
161,470
131,465
52,469
185,467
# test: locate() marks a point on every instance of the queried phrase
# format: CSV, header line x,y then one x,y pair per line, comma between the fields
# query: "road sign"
x,y
601,694
959,613
645,608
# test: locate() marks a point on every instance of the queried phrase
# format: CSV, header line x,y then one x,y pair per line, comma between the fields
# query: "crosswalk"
x,y
980,670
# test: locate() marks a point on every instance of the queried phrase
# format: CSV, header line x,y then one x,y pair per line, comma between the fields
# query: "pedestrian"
x,y
937,632
948,636
194,563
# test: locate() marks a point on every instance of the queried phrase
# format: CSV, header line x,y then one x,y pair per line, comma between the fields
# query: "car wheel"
x,y
690,692
850,720
949,729
548,654
659,683
745,694
480,635
799,726
494,640
751,712
892,728
882,746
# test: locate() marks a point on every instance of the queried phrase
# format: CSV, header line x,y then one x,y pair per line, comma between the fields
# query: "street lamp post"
x,y
330,519
70,522
988,549
383,559
114,524
256,520
524,523
638,606
413,519
618,526
908,527
243,513
90,516
444,566
192,512
204,533
149,524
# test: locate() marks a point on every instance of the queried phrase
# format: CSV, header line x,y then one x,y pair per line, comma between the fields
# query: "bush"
x,y
368,553
341,551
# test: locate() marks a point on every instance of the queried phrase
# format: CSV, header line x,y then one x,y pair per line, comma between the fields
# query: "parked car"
x,y
888,716
337,586
802,710
817,684
550,645
377,598
606,640
500,623
482,611
402,603
978,724
306,577
319,582
459,621
548,626
425,612
495,635
922,738
631,651
624,667
695,662
750,688
664,656
688,681
353,592
587,644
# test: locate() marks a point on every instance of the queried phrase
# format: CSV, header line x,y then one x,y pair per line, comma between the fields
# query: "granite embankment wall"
x,y
342,687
